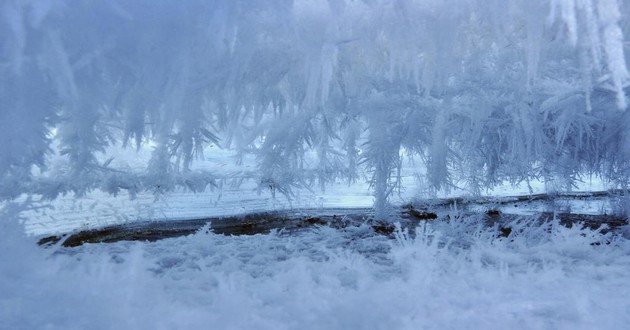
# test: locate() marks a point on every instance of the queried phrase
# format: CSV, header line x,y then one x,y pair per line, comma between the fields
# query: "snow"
x,y
117,111
452,275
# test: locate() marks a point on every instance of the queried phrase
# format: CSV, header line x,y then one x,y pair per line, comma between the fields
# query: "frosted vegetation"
x,y
476,92
472,94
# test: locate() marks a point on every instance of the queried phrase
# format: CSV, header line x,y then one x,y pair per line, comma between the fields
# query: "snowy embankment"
x,y
454,274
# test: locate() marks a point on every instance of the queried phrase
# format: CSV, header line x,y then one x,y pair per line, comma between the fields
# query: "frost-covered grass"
x,y
455,274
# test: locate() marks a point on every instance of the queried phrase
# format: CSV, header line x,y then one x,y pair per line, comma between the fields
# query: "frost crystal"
x,y
480,91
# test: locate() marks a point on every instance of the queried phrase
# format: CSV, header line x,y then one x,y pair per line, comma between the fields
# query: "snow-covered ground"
x,y
452,275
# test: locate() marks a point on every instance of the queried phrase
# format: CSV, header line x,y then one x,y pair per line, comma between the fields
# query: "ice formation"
x,y
119,98
478,91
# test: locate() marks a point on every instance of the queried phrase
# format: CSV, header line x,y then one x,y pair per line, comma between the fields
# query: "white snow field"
x,y
148,113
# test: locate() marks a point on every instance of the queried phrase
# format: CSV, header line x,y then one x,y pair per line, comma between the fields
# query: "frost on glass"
x,y
478,92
